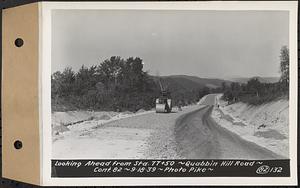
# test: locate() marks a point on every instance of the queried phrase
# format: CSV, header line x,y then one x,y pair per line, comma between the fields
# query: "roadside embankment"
x,y
266,125
64,121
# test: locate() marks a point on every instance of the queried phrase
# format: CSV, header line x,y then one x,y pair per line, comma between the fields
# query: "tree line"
x,y
115,84
254,92
119,84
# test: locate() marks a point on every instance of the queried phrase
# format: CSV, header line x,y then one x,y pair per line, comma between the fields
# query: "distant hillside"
x,y
261,79
208,82
190,82
189,88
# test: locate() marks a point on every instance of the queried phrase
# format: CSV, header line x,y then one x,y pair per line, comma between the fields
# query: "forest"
x,y
116,84
119,84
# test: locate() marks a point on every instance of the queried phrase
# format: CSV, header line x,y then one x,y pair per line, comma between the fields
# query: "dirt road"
x,y
190,133
198,136
147,136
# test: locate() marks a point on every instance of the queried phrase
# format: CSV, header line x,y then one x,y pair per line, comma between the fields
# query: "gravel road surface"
x,y
148,136
199,136
190,133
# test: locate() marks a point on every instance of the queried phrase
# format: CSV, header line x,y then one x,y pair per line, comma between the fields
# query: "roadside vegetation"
x,y
254,92
116,84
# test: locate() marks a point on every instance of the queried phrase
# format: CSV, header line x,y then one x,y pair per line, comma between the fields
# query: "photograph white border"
x,y
45,91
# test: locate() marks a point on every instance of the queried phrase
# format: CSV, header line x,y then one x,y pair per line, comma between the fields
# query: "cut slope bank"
x,y
266,125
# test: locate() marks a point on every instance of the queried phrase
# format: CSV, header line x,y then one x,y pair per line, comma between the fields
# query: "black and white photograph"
x,y
134,84
171,84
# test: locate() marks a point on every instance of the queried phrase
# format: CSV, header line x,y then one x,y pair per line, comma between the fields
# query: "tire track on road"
x,y
198,136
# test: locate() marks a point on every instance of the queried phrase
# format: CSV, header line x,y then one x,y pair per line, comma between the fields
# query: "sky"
x,y
211,44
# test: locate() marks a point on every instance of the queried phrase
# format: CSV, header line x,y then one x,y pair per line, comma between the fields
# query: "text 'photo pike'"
x,y
170,85
164,90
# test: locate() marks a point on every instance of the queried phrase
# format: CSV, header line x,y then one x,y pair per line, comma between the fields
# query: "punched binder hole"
x,y
19,42
18,144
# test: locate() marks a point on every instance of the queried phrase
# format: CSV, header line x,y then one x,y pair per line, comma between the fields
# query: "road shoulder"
x,y
267,138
